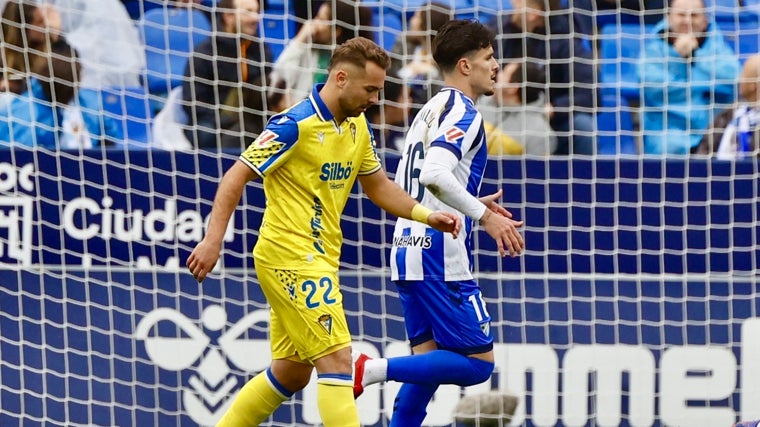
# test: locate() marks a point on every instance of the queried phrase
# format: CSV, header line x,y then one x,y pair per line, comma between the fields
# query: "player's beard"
x,y
352,110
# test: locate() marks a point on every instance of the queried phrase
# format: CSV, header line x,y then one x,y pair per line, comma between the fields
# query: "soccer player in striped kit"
x,y
442,166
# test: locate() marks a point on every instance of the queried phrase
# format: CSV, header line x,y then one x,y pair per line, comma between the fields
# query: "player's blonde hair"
x,y
358,51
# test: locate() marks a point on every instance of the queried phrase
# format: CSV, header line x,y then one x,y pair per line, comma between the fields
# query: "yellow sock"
x,y
255,402
335,399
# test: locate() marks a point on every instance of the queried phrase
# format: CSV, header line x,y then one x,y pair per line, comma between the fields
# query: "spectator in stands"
x,y
687,71
532,34
107,41
112,58
499,143
737,129
411,55
250,108
219,65
523,112
28,30
34,117
304,60
390,117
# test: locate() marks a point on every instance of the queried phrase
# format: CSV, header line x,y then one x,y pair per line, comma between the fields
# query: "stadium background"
x,y
635,304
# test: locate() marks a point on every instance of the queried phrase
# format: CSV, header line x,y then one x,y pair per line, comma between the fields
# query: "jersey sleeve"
x,y
273,147
370,160
460,125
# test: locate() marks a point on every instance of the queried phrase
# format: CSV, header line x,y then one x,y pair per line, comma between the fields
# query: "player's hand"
x,y
504,231
490,202
446,222
203,259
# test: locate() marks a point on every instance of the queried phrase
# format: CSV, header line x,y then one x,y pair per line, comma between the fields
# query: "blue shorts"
x,y
451,313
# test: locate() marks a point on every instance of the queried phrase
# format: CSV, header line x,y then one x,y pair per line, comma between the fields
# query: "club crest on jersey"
x,y
453,134
486,328
265,138
326,321
352,127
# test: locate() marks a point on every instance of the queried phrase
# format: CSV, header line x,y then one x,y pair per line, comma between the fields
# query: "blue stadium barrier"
x,y
618,216
154,348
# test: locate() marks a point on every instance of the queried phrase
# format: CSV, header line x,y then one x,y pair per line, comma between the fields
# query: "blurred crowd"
x,y
209,73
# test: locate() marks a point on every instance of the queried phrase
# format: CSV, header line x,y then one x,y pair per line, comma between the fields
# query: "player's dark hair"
x,y
457,39
359,51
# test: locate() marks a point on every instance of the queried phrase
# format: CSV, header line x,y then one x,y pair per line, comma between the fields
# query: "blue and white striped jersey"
x,y
451,121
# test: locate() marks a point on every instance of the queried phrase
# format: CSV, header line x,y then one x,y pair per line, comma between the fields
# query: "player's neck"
x,y
330,98
461,84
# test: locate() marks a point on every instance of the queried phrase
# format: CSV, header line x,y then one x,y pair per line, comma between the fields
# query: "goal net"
x,y
635,304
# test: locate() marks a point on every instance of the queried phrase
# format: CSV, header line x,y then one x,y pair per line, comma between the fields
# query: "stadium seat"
x,y
741,29
615,128
278,28
391,24
136,8
485,11
170,35
620,46
129,107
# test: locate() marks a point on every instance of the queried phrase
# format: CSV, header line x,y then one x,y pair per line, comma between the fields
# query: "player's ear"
x,y
341,77
463,65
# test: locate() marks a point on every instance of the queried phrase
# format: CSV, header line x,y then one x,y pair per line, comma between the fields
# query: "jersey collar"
x,y
319,104
452,88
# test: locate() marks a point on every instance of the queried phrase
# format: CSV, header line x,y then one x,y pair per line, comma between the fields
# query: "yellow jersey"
x,y
309,164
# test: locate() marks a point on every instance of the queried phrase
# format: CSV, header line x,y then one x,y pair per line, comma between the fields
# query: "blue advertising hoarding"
x,y
635,304
131,348
632,216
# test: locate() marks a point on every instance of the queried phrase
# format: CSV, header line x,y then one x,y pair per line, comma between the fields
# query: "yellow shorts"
x,y
307,317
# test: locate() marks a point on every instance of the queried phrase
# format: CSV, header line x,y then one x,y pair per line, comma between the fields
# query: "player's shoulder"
x,y
300,111
289,120
451,99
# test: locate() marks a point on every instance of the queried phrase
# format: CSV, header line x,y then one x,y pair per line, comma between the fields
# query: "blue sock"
x,y
409,409
439,367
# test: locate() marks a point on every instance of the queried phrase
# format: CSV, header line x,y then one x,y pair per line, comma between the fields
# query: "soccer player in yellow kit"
x,y
309,158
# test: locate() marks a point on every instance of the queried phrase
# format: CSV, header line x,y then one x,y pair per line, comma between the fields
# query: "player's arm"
x,y
389,196
437,176
205,255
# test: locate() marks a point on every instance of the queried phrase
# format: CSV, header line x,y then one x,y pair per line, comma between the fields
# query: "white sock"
x,y
375,371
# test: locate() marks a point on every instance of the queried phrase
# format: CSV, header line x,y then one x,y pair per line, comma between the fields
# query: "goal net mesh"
x,y
635,303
